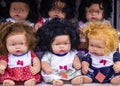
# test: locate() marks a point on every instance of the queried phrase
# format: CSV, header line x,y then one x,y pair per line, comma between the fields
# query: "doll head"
x,y
56,34
16,38
57,8
103,39
23,10
95,10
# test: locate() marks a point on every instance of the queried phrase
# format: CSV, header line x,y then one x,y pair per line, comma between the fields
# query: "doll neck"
x,y
60,54
21,54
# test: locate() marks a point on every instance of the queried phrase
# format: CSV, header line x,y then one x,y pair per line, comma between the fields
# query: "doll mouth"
x,y
17,16
95,53
62,51
18,51
56,16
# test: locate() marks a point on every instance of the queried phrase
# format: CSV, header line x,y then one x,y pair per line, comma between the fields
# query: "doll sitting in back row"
x,y
17,42
50,9
102,63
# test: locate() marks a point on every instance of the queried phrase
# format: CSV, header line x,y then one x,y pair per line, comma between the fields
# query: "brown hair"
x,y
9,29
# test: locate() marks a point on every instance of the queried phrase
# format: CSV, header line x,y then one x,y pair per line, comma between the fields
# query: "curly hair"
x,y
103,31
33,5
56,27
105,5
8,29
47,5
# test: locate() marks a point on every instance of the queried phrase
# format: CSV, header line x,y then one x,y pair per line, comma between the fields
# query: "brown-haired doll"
x,y
17,42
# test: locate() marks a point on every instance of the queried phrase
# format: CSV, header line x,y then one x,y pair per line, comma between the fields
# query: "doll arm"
x,y
76,62
3,65
116,66
35,68
46,67
39,24
85,67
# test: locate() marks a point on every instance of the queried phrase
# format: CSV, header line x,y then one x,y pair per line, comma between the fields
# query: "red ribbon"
x,y
63,67
103,61
20,62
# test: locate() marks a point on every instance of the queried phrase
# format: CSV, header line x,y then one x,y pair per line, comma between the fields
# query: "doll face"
x,y
96,47
19,10
53,13
16,44
61,44
56,11
94,13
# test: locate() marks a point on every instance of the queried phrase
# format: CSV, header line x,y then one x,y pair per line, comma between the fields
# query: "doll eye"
x,y
12,44
21,10
13,9
21,43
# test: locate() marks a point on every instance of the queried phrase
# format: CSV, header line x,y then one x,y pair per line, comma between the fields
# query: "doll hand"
x,y
85,67
37,26
34,70
2,69
48,71
116,67
76,63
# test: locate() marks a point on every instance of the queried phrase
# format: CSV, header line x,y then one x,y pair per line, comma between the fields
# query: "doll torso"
x,y
101,65
62,66
19,68
25,21
19,61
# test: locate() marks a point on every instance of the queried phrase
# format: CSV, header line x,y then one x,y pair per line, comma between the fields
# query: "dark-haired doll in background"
x,y
50,9
91,11
23,11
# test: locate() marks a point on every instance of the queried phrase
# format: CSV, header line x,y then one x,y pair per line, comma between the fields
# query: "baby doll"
x,y
102,62
50,9
59,39
23,11
91,11
17,41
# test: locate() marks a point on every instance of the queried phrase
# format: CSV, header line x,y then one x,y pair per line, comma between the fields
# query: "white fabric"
x,y
12,60
56,61
96,60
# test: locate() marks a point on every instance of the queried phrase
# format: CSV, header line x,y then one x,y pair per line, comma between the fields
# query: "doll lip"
x,y
17,16
61,51
56,16
95,53
18,51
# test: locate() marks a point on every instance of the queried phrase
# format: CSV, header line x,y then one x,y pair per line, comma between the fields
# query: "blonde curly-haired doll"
x,y
102,63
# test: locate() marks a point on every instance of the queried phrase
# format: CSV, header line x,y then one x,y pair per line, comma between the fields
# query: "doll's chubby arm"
x,y
3,65
116,66
76,62
35,68
46,67
85,67
39,24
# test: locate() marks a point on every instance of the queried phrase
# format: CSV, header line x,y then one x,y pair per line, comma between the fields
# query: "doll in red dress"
x,y
17,42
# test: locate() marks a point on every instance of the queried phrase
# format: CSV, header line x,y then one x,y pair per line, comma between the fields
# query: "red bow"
x,y
20,62
40,20
63,67
103,61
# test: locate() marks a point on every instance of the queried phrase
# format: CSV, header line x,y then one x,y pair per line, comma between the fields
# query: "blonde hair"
x,y
103,31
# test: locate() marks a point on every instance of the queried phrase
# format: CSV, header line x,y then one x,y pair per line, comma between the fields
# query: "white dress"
x,y
62,66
